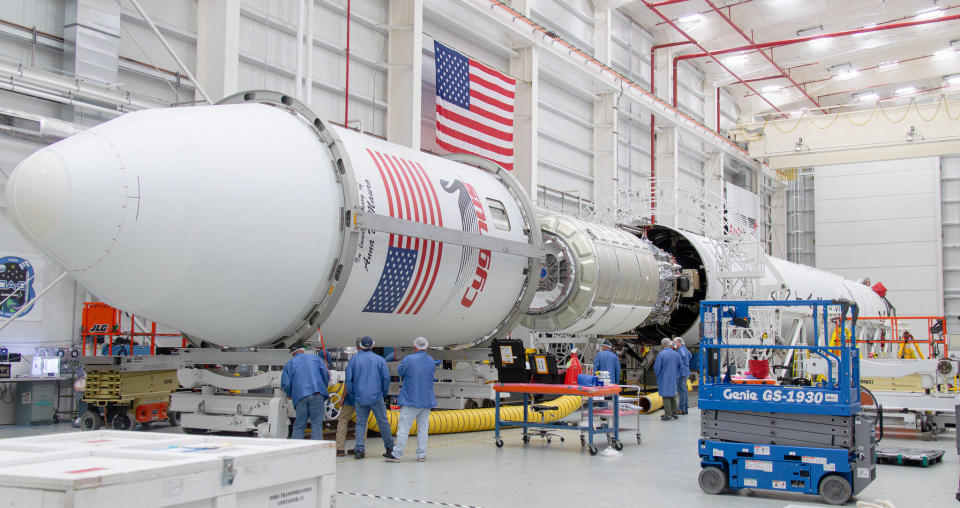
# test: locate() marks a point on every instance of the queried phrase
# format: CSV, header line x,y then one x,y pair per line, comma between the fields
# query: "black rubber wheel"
x,y
712,480
583,441
499,443
835,490
123,421
174,418
526,439
593,450
548,440
561,439
639,439
91,420
618,445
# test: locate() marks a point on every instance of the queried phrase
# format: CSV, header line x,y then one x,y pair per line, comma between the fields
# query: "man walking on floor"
x,y
667,368
416,398
304,380
683,399
368,380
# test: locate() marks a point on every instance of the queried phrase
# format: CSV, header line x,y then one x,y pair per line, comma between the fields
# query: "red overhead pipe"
x,y
668,2
769,58
798,40
741,2
697,44
653,124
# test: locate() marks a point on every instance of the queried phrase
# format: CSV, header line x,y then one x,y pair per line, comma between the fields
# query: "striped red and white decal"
x,y
411,196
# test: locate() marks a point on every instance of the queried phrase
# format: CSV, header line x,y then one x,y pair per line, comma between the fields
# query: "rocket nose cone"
x,y
69,199
37,194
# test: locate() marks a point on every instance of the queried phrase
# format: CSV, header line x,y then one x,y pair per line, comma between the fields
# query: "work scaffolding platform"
x,y
810,437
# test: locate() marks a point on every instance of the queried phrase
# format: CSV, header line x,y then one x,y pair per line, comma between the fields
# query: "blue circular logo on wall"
x,y
16,286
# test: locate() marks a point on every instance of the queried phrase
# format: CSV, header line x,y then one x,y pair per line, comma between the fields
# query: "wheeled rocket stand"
x,y
807,439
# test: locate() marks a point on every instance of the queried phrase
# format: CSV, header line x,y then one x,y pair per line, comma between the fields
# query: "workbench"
x,y
587,392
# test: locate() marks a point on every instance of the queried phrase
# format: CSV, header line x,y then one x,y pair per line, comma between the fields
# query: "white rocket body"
x,y
253,223
229,223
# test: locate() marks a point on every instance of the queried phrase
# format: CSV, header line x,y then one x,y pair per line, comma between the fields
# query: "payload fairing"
x,y
252,223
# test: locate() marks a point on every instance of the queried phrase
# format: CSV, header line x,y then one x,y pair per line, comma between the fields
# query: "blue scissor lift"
x,y
790,437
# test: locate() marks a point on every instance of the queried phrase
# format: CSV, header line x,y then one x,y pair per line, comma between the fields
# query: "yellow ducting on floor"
x,y
650,402
470,420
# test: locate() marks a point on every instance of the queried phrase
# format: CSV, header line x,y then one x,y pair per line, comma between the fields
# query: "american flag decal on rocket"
x,y
412,263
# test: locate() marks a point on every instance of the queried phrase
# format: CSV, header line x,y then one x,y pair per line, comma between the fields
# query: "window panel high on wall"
x,y
268,56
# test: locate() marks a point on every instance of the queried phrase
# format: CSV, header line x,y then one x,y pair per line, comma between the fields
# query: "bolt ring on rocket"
x,y
353,210
347,248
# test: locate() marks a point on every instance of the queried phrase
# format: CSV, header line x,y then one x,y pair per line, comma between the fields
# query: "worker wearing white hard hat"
x,y
416,399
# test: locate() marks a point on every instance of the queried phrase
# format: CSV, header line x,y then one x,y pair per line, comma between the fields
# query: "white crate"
x,y
106,468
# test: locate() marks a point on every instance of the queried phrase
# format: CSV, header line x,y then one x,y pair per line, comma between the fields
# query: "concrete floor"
x,y
467,469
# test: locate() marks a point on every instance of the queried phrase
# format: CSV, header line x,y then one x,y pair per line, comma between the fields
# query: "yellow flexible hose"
x,y
650,402
470,420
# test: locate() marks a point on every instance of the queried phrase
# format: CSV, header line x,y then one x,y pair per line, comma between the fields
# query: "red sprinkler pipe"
x,y
798,40
668,2
653,124
769,58
346,92
697,44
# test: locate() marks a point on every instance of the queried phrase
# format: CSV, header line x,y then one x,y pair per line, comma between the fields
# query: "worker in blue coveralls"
x,y
607,360
683,400
304,380
416,398
667,368
368,379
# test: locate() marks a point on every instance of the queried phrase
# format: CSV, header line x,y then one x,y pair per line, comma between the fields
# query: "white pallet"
x,y
112,468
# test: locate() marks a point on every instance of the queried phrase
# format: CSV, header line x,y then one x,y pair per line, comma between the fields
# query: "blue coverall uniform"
x,y
416,398
368,381
305,378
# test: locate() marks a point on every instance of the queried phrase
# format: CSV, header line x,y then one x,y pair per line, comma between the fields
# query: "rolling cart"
x,y
604,414
586,431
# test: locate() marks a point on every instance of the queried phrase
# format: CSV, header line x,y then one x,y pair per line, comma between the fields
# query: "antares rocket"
x,y
252,223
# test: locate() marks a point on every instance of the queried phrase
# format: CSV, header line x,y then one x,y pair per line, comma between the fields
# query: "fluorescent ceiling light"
x,y
735,60
693,18
952,79
940,54
820,43
932,13
840,67
884,66
847,74
907,90
804,32
866,97
771,88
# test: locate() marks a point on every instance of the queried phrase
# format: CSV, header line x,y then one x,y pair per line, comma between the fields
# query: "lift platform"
x,y
810,438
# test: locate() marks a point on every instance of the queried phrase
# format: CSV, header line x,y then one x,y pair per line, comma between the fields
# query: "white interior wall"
x,y
882,220
950,220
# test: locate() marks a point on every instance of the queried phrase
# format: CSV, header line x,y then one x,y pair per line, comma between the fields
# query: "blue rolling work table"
x,y
528,389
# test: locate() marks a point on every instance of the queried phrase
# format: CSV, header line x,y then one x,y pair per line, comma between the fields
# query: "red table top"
x,y
586,391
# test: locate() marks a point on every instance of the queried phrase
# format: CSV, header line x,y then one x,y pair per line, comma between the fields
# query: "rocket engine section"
x,y
597,279
251,223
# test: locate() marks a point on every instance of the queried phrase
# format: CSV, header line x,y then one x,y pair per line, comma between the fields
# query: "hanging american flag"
x,y
412,263
474,107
